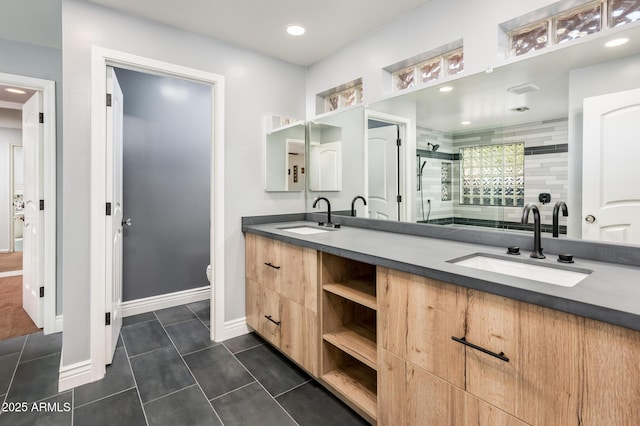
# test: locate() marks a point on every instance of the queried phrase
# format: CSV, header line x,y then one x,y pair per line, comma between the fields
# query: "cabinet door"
x,y
540,383
300,275
299,335
409,395
268,262
261,303
611,392
417,317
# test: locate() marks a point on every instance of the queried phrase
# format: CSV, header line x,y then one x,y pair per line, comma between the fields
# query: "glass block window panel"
x,y
492,175
430,70
405,78
623,12
529,39
333,102
578,23
445,181
350,97
454,62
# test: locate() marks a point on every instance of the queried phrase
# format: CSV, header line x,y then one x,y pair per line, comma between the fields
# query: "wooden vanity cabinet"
x,y
282,297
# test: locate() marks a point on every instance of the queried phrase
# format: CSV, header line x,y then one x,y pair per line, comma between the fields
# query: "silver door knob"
x,y
590,218
128,221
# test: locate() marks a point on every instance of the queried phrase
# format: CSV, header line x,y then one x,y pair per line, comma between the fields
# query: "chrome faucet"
x,y
556,212
537,250
328,223
353,204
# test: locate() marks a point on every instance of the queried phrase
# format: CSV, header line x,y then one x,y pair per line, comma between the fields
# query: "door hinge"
x,y
399,198
42,291
108,99
41,117
107,318
398,142
108,209
41,204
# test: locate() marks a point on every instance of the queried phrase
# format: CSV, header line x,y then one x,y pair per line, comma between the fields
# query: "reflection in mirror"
x,y
285,155
325,157
507,136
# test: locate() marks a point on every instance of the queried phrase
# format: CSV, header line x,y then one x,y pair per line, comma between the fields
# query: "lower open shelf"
x,y
357,341
358,384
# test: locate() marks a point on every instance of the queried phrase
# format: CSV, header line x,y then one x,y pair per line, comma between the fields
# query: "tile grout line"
x,y
262,386
135,382
13,376
233,390
293,388
189,369
197,316
244,350
106,396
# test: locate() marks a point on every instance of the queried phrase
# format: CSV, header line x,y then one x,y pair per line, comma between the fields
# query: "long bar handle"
x,y
463,340
271,265
272,320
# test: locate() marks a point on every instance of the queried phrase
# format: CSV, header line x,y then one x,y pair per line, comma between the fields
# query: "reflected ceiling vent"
x,y
523,88
520,109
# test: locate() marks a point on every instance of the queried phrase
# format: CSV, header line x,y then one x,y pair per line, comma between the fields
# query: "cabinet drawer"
x,y
263,311
541,382
417,317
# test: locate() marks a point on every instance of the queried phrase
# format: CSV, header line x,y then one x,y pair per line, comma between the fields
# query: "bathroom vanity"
x,y
405,336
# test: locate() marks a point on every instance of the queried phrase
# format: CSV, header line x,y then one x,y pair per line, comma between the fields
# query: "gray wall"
x,y
166,179
255,86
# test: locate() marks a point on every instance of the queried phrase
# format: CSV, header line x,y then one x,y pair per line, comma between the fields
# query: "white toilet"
x,y
209,273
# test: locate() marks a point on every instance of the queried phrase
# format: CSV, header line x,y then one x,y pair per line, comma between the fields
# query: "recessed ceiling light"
x,y
616,42
18,91
465,123
296,30
446,89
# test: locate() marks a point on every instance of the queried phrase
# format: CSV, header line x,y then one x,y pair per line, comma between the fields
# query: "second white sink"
x,y
305,230
517,268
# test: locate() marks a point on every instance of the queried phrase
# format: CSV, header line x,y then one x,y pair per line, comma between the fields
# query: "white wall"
x,y
10,134
256,86
435,24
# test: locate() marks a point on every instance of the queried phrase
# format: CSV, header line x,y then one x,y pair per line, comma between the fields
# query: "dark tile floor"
x,y
166,371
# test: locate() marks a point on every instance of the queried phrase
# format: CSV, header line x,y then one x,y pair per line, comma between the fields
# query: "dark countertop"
x,y
611,293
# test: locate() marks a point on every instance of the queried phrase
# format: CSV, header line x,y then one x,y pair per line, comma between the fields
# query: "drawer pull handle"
x,y
271,265
463,340
272,320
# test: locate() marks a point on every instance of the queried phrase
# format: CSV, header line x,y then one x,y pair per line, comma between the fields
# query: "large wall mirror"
x,y
284,154
509,136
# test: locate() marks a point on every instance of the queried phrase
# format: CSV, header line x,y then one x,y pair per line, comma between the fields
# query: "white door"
x,y
33,231
383,173
610,195
113,267
326,166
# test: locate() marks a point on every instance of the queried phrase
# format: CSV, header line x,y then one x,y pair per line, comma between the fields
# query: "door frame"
x,y
100,59
47,88
407,152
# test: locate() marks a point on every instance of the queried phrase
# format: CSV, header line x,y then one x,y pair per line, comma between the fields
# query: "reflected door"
x,y
383,173
610,195
33,244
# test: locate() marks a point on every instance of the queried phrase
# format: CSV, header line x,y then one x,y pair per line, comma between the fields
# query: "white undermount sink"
x,y
305,230
522,269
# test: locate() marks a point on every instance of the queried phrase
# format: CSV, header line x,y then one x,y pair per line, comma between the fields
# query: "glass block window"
x,y
623,12
578,23
445,181
455,62
492,175
530,39
344,98
450,63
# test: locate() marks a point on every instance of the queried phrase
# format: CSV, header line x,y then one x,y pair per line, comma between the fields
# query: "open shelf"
x,y
357,341
361,290
356,383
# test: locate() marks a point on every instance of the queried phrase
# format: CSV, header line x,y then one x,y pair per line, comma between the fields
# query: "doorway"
x,y
101,260
27,206
387,143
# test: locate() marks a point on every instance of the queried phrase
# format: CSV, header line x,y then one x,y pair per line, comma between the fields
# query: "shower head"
x,y
434,148
424,163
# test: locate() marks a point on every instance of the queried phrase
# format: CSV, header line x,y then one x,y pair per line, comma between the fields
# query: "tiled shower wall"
x,y
545,169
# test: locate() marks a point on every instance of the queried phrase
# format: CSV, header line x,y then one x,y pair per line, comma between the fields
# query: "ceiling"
x,y
13,100
260,25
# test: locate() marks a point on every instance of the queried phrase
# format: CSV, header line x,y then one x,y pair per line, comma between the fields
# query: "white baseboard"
x,y
10,274
235,328
163,301
58,326
74,375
